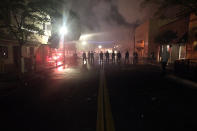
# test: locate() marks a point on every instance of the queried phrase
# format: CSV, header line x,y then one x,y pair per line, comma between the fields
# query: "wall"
x,y
155,25
9,45
141,37
179,26
8,60
42,54
191,52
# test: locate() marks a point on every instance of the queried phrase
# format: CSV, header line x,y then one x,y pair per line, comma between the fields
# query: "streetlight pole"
x,y
64,54
134,41
63,32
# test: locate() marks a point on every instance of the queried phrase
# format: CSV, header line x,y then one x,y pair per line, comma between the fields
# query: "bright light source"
x,y
63,30
59,63
55,57
168,46
60,69
110,51
84,37
99,46
84,43
60,54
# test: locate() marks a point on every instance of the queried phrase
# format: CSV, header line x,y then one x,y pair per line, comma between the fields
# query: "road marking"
x,y
108,113
105,120
100,112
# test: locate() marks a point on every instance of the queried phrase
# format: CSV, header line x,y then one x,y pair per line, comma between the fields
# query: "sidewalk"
x,y
8,82
41,68
11,81
186,79
48,66
170,67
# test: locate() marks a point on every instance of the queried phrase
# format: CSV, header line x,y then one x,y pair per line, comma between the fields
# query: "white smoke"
x,y
116,17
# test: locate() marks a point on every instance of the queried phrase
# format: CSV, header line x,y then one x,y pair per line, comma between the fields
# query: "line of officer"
x,y
119,56
90,57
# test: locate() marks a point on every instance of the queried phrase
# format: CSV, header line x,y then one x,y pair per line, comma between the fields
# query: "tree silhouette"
x,y
166,37
23,19
184,6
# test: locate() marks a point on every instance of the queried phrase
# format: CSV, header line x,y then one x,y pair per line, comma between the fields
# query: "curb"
x,y
186,82
7,86
172,76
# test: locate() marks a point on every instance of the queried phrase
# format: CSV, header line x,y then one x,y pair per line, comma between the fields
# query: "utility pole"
x,y
64,53
134,40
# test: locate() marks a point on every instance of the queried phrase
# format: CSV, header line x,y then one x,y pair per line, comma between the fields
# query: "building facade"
x,y
146,34
141,39
33,51
191,48
177,46
144,38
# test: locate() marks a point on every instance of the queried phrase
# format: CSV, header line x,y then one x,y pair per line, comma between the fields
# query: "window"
x,y
3,52
31,51
140,44
48,27
25,51
195,45
44,26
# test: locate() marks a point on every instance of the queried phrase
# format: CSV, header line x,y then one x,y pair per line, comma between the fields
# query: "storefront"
x,y
177,45
140,48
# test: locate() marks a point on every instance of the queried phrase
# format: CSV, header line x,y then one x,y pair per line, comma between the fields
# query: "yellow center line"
x,y
105,120
100,113
109,118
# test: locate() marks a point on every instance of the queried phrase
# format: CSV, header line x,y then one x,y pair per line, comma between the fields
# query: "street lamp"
x,y
63,30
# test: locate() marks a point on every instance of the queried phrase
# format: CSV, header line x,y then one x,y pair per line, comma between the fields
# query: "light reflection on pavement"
x,y
72,71
65,73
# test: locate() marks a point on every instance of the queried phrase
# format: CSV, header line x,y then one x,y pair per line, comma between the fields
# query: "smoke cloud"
x,y
110,16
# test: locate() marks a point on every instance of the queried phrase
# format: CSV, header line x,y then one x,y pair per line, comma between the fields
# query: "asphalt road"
x,y
143,99
93,97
